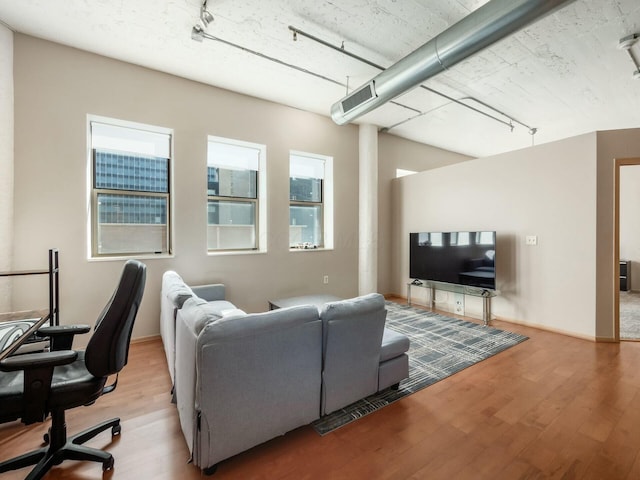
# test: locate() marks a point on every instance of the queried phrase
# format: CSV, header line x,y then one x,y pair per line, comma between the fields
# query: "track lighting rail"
x,y
198,33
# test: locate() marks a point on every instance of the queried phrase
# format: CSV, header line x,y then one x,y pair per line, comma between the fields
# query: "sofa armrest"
x,y
211,292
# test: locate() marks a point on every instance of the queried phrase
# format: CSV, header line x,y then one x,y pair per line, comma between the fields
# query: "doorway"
x,y
627,249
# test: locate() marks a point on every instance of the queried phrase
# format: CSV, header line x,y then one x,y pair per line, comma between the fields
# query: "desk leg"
x,y
409,294
486,310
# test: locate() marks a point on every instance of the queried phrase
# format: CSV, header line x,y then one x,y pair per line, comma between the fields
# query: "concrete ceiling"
x,y
563,75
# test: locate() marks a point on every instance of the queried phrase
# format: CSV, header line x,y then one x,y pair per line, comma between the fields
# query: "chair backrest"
x,y
108,348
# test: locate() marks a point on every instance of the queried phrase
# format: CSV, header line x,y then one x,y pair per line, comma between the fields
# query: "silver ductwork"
x,y
483,27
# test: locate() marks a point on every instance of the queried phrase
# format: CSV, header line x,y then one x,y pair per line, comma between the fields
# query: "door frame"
x,y
619,163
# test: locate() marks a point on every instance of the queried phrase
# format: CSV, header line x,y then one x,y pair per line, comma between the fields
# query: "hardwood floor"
x,y
552,407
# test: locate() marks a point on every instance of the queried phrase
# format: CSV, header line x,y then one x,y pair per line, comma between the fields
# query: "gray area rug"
x,y
630,315
440,347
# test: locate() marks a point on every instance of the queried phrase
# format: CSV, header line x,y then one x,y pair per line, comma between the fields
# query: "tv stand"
x,y
485,293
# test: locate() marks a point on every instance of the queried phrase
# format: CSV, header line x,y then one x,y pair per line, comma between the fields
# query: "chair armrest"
x,y
38,374
211,292
32,361
62,335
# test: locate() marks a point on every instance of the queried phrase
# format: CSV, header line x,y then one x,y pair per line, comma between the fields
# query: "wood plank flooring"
x,y
552,407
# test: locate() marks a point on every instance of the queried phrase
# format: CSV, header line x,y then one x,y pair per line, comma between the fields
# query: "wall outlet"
x,y
531,240
458,304
325,279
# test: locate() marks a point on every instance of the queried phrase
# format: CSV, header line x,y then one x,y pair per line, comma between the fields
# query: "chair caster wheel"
x,y
115,430
107,465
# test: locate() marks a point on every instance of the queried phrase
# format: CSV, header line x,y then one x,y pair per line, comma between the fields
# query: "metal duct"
x,y
481,28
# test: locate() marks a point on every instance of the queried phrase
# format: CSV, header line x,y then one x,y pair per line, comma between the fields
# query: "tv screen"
x,y
462,258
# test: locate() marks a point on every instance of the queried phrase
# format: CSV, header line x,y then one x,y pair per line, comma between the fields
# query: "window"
x,y
310,196
130,201
430,239
460,239
485,238
234,192
401,172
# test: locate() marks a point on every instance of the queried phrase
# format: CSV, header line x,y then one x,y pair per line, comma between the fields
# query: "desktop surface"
x,y
17,327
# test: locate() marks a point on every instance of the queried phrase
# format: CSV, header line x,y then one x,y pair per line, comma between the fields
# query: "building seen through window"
x,y
126,172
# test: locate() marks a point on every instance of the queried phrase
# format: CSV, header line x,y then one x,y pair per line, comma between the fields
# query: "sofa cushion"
x,y
347,309
232,312
352,336
176,290
394,344
222,308
343,308
197,313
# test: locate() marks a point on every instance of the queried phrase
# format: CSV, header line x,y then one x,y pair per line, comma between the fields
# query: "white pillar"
x,y
6,164
368,211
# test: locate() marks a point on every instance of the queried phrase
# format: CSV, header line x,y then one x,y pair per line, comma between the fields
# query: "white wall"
x,y
57,87
630,220
6,164
548,191
393,153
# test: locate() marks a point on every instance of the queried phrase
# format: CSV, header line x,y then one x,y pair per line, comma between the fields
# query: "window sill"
x,y
300,250
218,253
142,256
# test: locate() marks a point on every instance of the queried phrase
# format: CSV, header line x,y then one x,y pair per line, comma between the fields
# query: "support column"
x,y
368,211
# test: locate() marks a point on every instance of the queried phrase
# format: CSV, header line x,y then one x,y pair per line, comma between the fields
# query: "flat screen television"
x,y
461,258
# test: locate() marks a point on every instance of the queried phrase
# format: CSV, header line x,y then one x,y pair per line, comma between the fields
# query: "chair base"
x,y
61,449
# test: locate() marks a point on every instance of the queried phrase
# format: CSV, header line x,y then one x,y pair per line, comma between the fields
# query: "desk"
x,y
17,331
54,285
486,295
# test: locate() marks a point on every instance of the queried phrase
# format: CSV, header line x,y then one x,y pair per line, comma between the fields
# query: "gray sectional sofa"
x,y
241,379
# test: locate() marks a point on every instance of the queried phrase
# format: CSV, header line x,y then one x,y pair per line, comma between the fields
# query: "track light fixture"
x,y
626,44
197,33
205,15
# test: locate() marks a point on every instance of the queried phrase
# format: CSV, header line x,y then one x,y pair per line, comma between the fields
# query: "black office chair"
x,y
35,385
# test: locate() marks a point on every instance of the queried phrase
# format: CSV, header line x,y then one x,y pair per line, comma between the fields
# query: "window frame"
x,y
94,192
325,203
259,201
